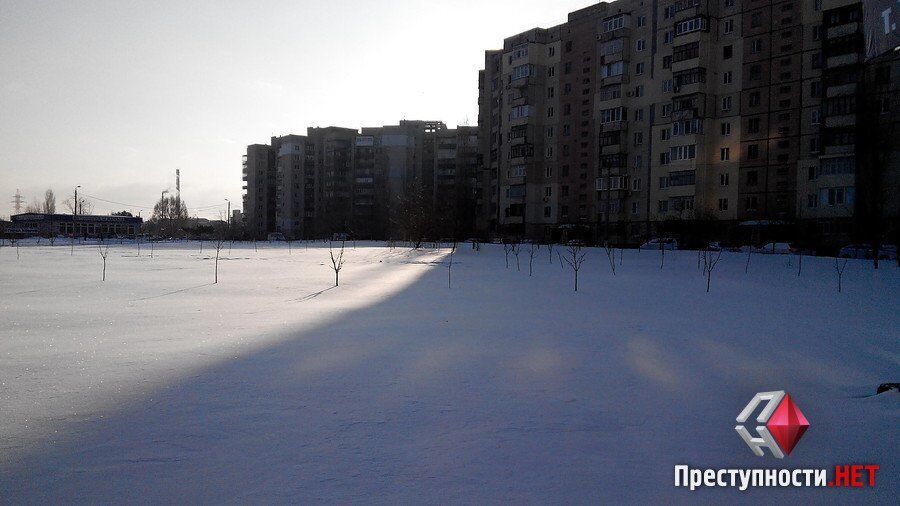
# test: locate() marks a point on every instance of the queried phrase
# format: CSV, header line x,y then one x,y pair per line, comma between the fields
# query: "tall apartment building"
x,y
636,115
342,180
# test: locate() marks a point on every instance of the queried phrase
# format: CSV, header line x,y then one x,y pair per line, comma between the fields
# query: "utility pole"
x,y
17,201
75,206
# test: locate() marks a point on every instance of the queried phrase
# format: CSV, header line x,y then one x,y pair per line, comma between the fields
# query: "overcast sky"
x,y
115,95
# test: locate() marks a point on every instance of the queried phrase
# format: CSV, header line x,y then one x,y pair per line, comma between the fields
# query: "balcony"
x,y
842,60
613,126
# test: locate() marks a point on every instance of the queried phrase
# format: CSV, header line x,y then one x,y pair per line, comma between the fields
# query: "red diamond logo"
x,y
787,424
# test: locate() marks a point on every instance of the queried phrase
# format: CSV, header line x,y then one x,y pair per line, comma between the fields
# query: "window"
x,y
752,178
548,191
518,171
522,71
723,204
837,196
638,114
667,86
753,151
724,154
550,112
841,165
610,115
551,71
687,152
665,134
726,104
641,45
666,110
752,203
639,68
668,37
726,128
548,171
635,184
638,138
613,69
639,90
682,178
727,52
547,211
728,26
641,21
614,23
663,206
551,91
727,77
667,62
690,25
723,179
756,20
754,99
756,45
811,200
634,208
520,111
686,52
815,89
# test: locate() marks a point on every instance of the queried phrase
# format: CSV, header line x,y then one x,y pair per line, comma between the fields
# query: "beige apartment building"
x,y
636,118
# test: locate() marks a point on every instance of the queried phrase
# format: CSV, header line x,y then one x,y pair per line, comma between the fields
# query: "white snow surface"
x,y
157,386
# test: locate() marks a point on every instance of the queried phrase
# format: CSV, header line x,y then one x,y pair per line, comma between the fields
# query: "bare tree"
x,y
104,252
516,248
749,252
49,204
611,256
575,258
662,254
799,262
337,262
560,261
532,251
709,264
507,249
218,244
550,250
450,264
839,268
13,241
33,207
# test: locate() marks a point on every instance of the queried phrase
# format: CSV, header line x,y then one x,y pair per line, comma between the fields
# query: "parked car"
x,y
864,251
775,248
660,243
276,236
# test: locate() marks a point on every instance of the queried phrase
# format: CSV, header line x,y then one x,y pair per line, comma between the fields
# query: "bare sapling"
x,y
337,261
104,252
532,251
15,242
516,248
72,250
749,252
550,251
662,254
218,244
507,249
839,268
799,262
611,256
560,261
52,240
290,252
710,261
450,264
575,258
201,246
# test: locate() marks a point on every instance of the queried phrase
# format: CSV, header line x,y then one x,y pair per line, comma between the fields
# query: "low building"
x,y
82,225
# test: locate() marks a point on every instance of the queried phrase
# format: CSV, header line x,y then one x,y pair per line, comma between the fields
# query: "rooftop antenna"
x,y
17,201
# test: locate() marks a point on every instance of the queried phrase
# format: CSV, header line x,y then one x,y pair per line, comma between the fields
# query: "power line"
x,y
138,206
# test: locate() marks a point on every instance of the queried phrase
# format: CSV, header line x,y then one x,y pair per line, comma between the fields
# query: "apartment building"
x,y
635,116
362,182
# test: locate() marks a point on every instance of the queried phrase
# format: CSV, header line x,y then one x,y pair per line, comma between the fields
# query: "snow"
x,y
274,386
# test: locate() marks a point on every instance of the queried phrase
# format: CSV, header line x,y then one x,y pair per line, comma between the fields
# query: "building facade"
x,y
81,225
634,118
365,183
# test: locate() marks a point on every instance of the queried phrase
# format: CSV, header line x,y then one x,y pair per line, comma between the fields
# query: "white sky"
x,y
115,95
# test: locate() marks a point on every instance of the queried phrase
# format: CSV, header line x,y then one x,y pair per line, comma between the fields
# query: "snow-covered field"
x,y
272,386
